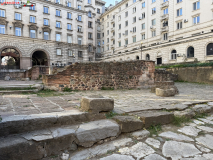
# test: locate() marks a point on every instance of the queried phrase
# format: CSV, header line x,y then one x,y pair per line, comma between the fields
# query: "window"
x,y
119,44
70,53
126,41
79,17
89,24
153,22
134,9
119,26
17,16
79,7
32,34
113,33
179,12
69,26
190,52
90,14
165,36
126,32
46,35
134,29
58,24
134,1
119,9
209,49
126,23
153,33
69,39
143,15
79,40
90,35
102,34
98,11
134,39
32,7
68,4
134,19
32,19
79,28
165,0
57,1
178,1
69,15
18,3
179,25
143,36
143,5
46,22
165,11
153,1
196,5
18,31
80,54
143,26
153,10
58,12
165,23
107,32
126,4
58,52
2,13
119,35
173,54
126,14
46,9
119,18
2,29
147,57
98,35
196,20
107,24
89,1
58,37
107,40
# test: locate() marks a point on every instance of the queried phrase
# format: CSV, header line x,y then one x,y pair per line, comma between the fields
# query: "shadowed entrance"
x,y
39,58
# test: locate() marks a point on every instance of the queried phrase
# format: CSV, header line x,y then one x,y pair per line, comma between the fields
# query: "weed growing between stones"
x,y
66,89
154,129
179,120
200,115
110,114
48,93
107,88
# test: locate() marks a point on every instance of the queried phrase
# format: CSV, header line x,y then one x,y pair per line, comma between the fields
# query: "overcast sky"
x,y
108,2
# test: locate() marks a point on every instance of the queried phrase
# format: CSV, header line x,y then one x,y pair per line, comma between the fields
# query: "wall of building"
x,y
95,76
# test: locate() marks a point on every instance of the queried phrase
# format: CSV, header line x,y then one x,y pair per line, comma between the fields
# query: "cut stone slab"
x,y
153,142
210,103
210,118
206,120
141,134
175,136
154,117
117,157
139,150
177,150
189,130
97,104
208,156
176,106
165,92
206,140
129,123
204,128
198,122
7,78
197,157
89,133
154,157
203,149
186,113
202,108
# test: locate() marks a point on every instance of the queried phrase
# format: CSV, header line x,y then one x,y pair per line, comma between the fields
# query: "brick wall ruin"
x,y
96,76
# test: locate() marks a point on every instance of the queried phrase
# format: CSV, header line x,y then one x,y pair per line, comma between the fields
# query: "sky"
x,y
108,2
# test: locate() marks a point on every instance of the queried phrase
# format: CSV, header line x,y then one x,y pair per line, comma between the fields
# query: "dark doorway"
x,y
147,57
190,52
137,57
39,58
159,60
209,49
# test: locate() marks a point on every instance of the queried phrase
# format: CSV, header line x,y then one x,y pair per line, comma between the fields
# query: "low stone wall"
x,y
13,74
36,72
95,76
161,75
194,74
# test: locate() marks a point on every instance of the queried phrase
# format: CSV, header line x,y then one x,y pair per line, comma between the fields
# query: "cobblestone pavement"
x,y
125,100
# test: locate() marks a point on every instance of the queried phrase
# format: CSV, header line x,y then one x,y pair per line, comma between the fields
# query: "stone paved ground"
x,y
125,100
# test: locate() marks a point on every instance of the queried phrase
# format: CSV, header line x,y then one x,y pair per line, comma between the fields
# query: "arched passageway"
x,y
40,58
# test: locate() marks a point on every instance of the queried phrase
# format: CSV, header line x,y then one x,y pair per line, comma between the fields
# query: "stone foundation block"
x,y
129,123
96,104
165,92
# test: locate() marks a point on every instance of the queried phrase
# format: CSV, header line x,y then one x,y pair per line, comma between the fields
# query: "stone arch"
x,y
190,51
206,49
37,50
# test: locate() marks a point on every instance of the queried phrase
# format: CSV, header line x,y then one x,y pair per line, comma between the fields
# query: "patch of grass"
x,y
201,133
154,129
109,152
48,93
66,89
25,106
200,115
186,65
179,120
107,88
110,114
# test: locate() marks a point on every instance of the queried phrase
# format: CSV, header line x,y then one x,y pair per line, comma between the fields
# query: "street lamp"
x,y
141,50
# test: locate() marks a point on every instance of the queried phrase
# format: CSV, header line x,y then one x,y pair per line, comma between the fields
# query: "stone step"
x,y
51,141
3,92
26,123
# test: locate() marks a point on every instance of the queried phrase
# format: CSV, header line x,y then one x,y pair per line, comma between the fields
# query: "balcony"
x,y
164,17
112,29
112,37
113,20
165,29
165,5
112,45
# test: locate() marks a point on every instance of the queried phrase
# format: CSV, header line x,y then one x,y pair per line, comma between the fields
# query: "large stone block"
x,y
165,92
129,123
97,104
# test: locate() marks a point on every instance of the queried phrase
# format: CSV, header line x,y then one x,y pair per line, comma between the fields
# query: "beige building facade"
x,y
170,31
52,32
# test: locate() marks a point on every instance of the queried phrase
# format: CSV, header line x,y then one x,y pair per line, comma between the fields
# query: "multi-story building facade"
x,y
169,31
52,32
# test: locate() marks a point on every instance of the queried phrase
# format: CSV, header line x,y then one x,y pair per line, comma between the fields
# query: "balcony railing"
x,y
113,29
165,29
165,4
165,16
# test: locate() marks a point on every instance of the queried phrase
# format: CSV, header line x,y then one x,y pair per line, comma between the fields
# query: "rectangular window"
x,y
98,11
107,32
143,26
153,1
143,5
119,26
58,12
126,32
153,10
153,22
134,1
69,39
126,42
165,36
119,44
165,11
79,7
17,16
58,52
68,4
18,31
119,35
69,26
119,18
126,4
178,1
126,23
46,9
98,35
79,28
79,40
134,9
46,35
57,1
79,17
126,14
89,24
2,13
46,22
153,33
134,29
89,1
32,19
90,35
179,25
32,34
134,39
107,40
32,8
70,53
58,24
2,29
134,19
80,54
196,20
196,5
143,36
179,12
69,15
143,15
58,37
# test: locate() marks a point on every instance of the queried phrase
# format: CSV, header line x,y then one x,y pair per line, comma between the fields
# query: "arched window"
x,y
209,49
137,57
147,57
190,52
90,48
174,54
89,14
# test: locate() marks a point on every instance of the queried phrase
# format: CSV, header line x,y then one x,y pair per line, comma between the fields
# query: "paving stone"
x,y
89,133
206,140
177,150
210,118
153,142
117,157
204,128
176,107
198,122
139,150
186,113
175,136
210,103
155,117
203,149
128,123
208,156
202,108
189,130
154,157
141,133
198,157
206,120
